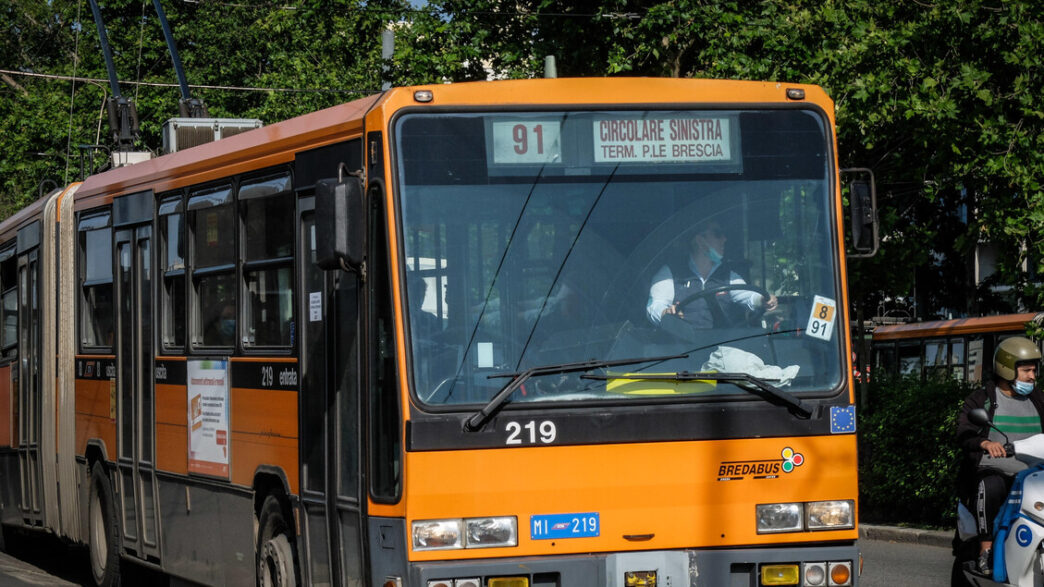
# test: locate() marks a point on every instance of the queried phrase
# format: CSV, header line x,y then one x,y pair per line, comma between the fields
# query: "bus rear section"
x,y
559,427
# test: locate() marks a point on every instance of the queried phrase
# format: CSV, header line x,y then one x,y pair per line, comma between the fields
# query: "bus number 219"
x,y
527,433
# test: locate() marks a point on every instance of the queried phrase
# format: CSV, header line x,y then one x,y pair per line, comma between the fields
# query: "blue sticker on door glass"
x,y
557,526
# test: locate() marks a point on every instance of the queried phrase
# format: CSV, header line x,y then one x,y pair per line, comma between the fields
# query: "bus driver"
x,y
705,270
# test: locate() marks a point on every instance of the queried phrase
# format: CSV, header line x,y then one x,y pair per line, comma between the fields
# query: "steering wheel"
x,y
707,293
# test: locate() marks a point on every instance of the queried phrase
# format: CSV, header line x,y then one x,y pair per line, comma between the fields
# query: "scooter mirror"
x,y
979,417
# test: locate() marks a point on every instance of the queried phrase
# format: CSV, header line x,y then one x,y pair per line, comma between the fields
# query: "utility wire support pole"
x,y
188,106
387,53
123,117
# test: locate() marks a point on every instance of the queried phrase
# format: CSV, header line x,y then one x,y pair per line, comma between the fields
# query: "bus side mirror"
x,y
339,223
862,207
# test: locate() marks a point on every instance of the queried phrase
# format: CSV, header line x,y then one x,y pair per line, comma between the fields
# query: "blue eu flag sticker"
x,y
842,419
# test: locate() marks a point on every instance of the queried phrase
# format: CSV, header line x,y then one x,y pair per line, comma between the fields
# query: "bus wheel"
x,y
275,554
104,531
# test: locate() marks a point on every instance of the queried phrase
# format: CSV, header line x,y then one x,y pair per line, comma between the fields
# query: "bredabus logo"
x,y
791,459
766,469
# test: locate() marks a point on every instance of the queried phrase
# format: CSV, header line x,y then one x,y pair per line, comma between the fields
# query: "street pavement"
x,y
892,557
18,573
904,557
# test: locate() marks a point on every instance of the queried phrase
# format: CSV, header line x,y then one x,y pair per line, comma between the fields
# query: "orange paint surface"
x,y
172,429
263,426
670,490
93,415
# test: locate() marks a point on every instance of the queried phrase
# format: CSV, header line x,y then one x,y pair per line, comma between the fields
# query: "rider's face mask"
x,y
1023,387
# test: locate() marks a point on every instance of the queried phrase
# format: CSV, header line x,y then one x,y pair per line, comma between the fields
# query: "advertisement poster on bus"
x,y
208,417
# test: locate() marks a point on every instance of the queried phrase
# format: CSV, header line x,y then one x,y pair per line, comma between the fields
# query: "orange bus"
x,y
414,340
957,348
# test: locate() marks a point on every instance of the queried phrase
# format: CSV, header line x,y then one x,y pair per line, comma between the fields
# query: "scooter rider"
x,y
986,473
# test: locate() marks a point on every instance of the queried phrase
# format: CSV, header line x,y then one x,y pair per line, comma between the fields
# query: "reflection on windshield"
x,y
516,260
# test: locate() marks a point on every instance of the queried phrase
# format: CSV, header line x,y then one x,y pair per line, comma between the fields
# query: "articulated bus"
x,y
960,348
407,341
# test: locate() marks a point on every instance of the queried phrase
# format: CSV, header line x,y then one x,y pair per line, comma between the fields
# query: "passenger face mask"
x,y
228,327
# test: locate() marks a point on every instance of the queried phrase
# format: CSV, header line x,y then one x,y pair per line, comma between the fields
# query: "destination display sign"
x,y
669,139
663,137
529,142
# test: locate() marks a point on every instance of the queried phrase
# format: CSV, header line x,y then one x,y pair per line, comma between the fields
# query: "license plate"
x,y
557,526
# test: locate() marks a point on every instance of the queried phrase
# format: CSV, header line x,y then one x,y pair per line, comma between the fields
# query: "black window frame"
x,y
99,219
8,287
200,198
171,204
265,186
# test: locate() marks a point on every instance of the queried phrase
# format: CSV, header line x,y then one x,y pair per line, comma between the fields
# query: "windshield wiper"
x,y
755,385
479,418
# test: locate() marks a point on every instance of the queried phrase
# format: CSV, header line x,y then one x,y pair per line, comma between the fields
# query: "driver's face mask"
x,y
714,255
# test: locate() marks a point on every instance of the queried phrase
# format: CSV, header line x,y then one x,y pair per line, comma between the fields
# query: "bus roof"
x,y
1002,323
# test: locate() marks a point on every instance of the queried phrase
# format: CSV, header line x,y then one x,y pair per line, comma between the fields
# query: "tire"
x,y
276,562
103,530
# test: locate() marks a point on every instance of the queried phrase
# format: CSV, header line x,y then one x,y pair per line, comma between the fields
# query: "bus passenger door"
x,y
134,361
29,387
329,408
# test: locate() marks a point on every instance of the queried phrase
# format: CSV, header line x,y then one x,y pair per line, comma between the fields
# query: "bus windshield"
x,y
684,242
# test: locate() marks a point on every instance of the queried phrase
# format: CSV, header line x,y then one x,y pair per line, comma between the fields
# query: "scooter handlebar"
x,y
1009,450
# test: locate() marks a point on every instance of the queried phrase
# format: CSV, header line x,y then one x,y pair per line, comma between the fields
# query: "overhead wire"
x,y
72,93
141,43
381,10
73,78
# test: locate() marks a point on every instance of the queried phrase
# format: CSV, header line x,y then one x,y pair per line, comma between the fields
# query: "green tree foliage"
x,y
908,454
325,52
941,99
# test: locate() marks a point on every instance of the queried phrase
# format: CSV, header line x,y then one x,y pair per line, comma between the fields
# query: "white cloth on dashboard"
x,y
726,359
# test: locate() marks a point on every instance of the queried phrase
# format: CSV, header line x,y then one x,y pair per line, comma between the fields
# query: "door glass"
x,y
313,365
126,353
145,315
348,386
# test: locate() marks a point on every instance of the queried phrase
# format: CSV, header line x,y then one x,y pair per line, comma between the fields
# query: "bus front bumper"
x,y
674,568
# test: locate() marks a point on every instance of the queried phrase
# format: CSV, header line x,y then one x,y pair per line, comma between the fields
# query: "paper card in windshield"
x,y
821,320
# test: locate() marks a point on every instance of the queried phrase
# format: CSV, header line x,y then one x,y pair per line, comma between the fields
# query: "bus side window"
x,y
886,360
957,364
267,207
172,269
212,222
9,303
935,356
910,359
95,238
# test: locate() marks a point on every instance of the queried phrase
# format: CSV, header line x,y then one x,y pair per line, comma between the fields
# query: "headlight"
x,y
437,534
469,533
780,517
490,532
829,515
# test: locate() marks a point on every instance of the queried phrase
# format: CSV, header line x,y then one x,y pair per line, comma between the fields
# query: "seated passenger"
x,y
221,328
424,324
705,269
